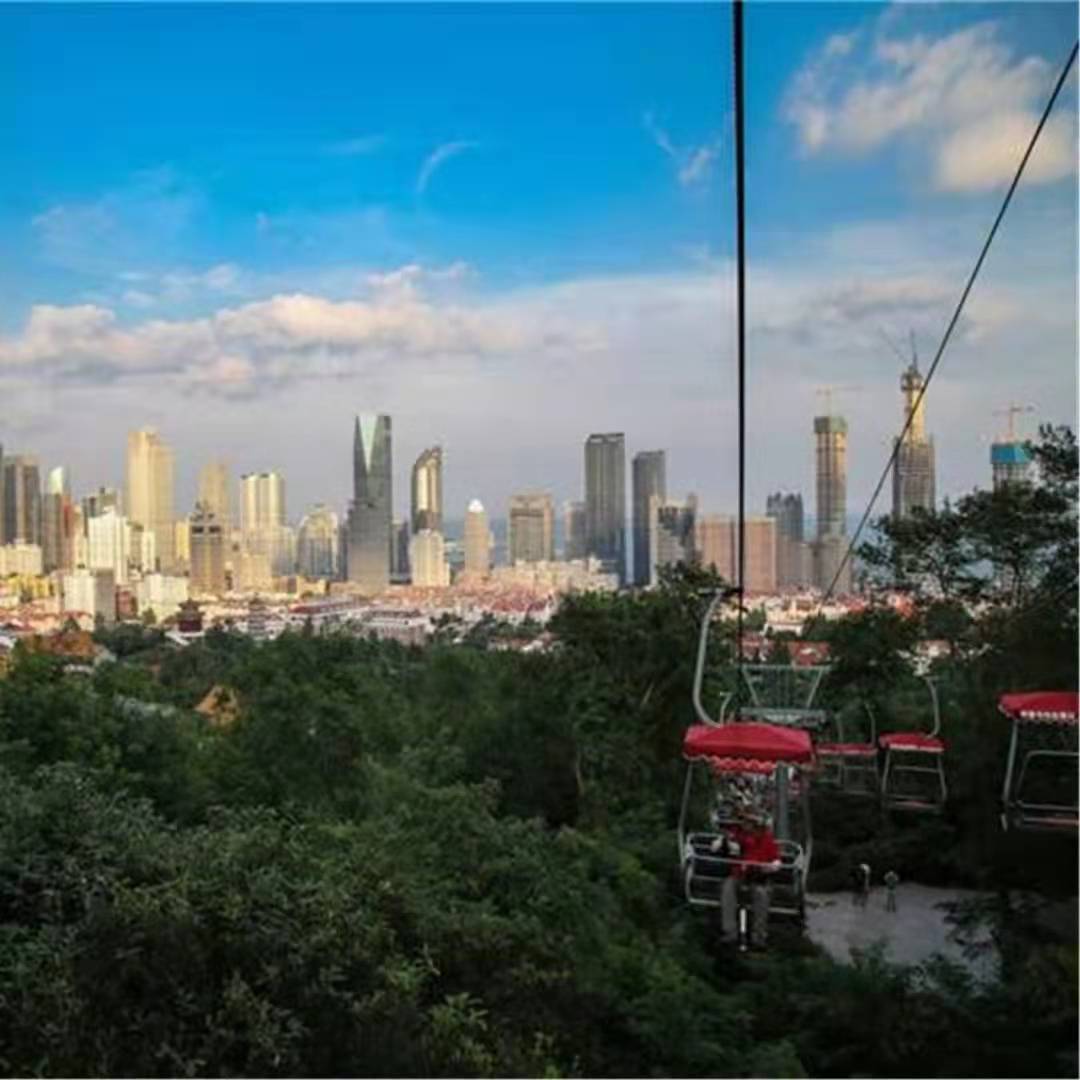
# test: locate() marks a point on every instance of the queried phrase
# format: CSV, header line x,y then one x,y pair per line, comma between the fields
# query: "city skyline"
x,y
518,269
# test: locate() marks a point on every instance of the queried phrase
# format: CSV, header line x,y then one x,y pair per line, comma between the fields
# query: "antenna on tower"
x,y
914,352
892,344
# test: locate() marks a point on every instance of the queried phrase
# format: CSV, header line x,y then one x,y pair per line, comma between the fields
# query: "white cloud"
x,y
439,157
693,164
965,95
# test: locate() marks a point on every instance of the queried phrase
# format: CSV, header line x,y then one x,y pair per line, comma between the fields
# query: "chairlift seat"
x,y
912,742
847,750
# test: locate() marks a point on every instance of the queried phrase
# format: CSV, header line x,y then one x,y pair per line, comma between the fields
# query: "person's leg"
x,y
729,913
759,931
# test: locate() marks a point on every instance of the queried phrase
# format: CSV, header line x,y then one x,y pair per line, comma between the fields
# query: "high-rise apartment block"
x,y
605,500
263,528
792,553
317,544
21,482
371,511
574,545
427,558
760,564
149,493
216,493
208,541
427,491
532,528
58,522
670,536
477,540
830,434
649,480
913,466
714,543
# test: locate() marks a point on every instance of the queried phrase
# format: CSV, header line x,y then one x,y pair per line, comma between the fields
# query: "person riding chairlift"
x,y
759,857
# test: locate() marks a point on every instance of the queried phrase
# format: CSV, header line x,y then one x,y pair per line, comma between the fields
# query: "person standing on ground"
x,y
892,879
864,883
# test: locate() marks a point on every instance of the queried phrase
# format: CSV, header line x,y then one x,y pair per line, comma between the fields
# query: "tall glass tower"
x,y
371,512
427,498
605,500
649,479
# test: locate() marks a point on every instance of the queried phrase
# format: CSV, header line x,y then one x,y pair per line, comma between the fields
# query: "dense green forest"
x,y
459,861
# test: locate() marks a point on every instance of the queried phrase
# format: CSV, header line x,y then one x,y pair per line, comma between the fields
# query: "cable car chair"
x,y
914,775
851,766
1040,793
768,758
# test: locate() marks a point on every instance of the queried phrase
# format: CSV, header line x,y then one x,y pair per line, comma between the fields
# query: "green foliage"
x,y
456,861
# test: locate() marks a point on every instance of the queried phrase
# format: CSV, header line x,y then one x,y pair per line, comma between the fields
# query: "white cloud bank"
x,y
966,94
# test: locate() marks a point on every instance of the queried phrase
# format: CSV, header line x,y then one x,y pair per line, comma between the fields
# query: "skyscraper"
x,y
830,433
913,467
21,482
573,530
371,512
427,559
791,551
605,500
58,523
317,543
399,552
97,502
427,498
207,552
532,528
671,533
216,494
477,540
1010,460
263,527
649,479
149,495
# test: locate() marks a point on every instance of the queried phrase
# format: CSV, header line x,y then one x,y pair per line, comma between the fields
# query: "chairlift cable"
x,y
740,294
952,325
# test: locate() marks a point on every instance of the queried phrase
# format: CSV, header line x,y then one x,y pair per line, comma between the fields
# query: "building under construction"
x,y
913,465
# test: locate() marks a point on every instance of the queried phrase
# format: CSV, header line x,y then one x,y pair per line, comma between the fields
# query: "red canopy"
x,y
914,741
1042,706
759,746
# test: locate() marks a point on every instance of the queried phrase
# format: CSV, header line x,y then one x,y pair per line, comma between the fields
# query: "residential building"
x,y
791,550
714,541
207,552
58,522
574,543
161,594
317,543
760,566
531,528
91,592
649,481
25,560
97,502
263,527
21,482
427,558
149,494
671,535
216,492
109,540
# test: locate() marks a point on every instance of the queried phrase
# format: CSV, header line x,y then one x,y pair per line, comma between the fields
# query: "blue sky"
x,y
211,208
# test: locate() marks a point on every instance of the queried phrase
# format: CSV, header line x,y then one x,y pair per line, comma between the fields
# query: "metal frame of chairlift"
x,y
907,754
704,870
852,766
1058,725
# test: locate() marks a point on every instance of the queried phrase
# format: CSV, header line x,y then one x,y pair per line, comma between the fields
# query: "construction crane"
x,y
828,391
1012,412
